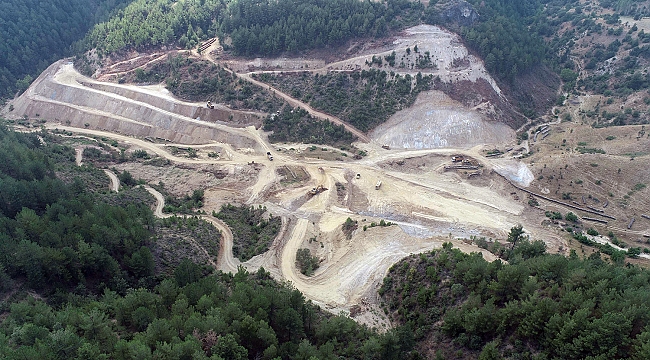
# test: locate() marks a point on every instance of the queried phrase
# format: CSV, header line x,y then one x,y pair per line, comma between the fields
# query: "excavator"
x,y
317,190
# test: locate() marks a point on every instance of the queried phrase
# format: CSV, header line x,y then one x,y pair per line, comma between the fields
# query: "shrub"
x,y
306,261
554,215
140,154
571,217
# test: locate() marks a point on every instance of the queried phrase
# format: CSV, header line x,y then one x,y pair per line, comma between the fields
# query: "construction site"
x,y
441,171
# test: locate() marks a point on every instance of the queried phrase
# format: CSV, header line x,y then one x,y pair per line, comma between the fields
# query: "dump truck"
x,y
385,147
378,185
268,154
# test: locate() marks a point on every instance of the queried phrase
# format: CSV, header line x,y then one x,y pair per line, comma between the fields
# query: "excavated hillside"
x,y
466,108
62,94
423,197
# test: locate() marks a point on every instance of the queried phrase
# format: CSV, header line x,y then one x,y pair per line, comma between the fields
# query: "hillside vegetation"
x,y
60,236
252,229
78,278
364,98
33,34
267,28
539,306
257,27
263,27
200,80
500,34
296,125
191,316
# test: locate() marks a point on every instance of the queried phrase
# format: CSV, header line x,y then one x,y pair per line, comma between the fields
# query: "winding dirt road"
x,y
225,261
114,184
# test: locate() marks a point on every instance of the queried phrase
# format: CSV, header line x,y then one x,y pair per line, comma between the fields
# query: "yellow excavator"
x,y
317,190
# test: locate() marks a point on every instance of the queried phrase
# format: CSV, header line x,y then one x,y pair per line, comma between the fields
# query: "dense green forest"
x,y
364,98
57,235
263,27
257,27
296,125
193,316
33,34
538,306
157,22
503,34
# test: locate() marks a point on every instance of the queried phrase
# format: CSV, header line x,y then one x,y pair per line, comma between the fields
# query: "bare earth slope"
x,y
436,121
62,93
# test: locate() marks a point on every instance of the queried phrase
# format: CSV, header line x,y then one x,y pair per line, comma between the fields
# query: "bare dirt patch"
x,y
417,165
292,175
437,121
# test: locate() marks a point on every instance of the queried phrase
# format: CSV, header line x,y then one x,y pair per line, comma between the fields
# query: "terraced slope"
x,y
62,94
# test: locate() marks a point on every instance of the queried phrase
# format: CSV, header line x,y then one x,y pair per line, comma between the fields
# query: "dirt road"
x,y
313,112
289,99
78,156
115,182
225,260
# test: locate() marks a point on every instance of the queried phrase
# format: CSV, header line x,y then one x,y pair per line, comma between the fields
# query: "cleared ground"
x,y
428,203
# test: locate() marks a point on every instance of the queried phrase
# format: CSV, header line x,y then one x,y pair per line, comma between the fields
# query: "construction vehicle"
x,y
358,176
378,185
385,147
457,158
268,154
317,190
209,105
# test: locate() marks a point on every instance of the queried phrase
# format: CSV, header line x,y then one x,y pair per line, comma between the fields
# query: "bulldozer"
x,y
317,190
